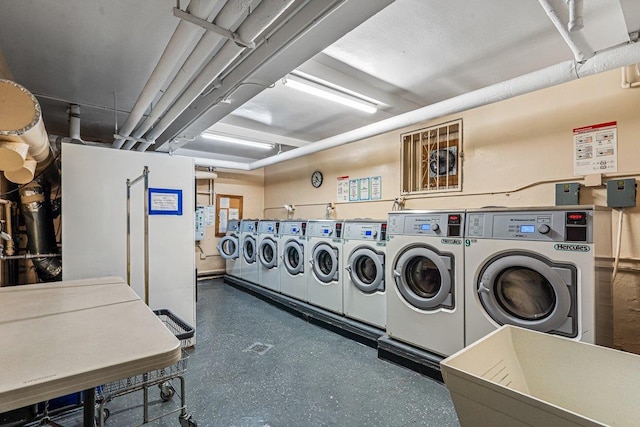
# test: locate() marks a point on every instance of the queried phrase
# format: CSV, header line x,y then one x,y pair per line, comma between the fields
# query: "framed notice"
x,y
363,185
595,149
164,201
353,190
343,189
376,187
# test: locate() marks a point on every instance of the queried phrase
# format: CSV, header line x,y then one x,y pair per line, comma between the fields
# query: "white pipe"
x,y
266,13
182,37
74,122
551,76
618,242
626,82
580,54
576,22
228,17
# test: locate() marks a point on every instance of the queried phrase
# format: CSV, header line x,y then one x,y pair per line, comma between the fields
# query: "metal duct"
x,y
24,145
36,210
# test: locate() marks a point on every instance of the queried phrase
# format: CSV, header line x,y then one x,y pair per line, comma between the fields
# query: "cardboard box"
x,y
518,377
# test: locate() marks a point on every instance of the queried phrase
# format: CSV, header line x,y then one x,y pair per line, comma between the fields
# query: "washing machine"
x,y
292,250
324,281
268,273
363,257
546,269
425,279
249,251
229,248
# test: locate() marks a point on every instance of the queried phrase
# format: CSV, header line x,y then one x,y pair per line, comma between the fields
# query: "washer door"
x,y
267,253
529,291
249,249
366,269
325,262
229,247
424,278
293,257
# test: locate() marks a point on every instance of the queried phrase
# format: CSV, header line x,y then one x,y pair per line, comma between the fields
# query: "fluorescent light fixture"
x,y
239,141
316,89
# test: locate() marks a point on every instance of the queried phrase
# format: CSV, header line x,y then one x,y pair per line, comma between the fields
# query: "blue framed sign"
x,y
164,201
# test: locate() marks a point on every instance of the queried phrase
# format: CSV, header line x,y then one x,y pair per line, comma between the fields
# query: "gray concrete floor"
x,y
309,376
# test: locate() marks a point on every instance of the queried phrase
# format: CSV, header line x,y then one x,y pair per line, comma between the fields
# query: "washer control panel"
x,y
551,226
268,227
328,229
292,228
249,226
233,225
374,231
437,224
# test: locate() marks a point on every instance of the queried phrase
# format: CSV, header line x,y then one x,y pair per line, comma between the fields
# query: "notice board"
x,y
228,207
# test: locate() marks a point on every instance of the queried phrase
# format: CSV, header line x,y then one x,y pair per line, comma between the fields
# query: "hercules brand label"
x,y
571,247
451,241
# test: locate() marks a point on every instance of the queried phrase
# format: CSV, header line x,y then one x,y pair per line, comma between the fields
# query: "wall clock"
x,y
316,179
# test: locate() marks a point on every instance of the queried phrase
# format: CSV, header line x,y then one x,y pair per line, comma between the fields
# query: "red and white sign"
x,y
595,149
343,189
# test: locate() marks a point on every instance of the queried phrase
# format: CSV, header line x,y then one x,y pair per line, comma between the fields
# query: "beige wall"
x,y
522,142
250,185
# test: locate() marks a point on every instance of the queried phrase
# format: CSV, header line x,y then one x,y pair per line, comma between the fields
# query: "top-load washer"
x,y
363,258
268,273
249,251
229,248
546,269
292,250
425,279
324,285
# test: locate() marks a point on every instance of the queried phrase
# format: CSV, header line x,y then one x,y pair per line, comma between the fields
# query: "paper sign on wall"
x,y
376,187
234,213
224,202
364,188
209,215
353,190
343,189
164,201
222,221
595,149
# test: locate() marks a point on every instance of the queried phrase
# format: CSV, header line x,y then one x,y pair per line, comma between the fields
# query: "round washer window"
x,y
525,293
325,262
267,253
293,256
365,268
229,247
423,277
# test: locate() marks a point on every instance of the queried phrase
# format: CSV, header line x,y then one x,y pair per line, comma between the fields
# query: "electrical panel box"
x,y
621,193
199,228
568,194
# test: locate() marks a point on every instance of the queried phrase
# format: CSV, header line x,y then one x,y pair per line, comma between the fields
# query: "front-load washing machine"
x,y
324,240
292,250
229,248
268,273
249,251
425,286
546,269
363,258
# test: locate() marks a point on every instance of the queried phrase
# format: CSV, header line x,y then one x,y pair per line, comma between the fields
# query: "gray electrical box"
x,y
621,193
568,194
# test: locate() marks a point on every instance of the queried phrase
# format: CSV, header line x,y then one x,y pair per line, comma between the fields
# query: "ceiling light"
x,y
234,140
316,89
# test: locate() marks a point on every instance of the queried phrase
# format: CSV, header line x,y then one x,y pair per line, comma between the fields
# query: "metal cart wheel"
x,y
187,421
106,413
166,391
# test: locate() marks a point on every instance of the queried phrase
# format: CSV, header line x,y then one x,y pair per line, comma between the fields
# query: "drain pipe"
x,y
182,37
229,17
8,228
547,77
266,13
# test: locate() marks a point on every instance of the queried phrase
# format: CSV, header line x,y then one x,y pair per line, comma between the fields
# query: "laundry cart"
x,y
162,378
517,377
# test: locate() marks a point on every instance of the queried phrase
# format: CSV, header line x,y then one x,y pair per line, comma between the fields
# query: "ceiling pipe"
x,y
560,16
547,77
182,37
255,24
74,122
576,23
229,17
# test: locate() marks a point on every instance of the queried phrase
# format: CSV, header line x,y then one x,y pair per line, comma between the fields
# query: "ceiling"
x,y
395,55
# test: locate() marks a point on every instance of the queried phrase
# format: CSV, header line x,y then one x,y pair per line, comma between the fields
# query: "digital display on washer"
x,y
527,228
425,227
368,233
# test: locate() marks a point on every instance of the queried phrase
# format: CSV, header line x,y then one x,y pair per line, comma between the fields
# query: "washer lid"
x,y
229,247
424,278
249,249
528,291
268,253
366,269
325,262
293,257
